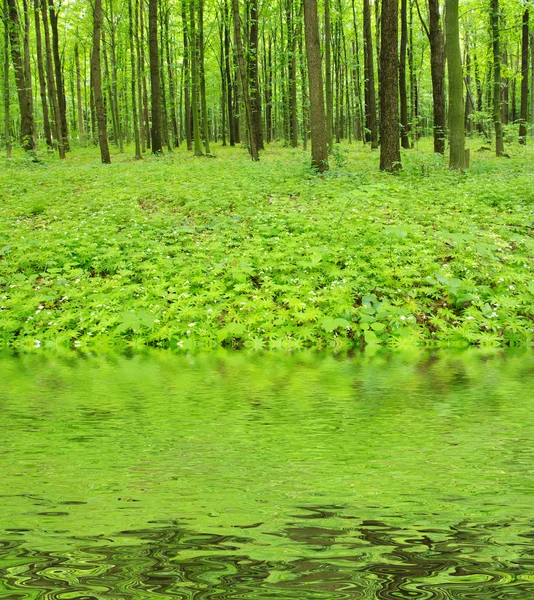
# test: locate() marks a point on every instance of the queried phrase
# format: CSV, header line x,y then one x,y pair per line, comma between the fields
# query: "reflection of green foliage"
x,y
205,464
186,253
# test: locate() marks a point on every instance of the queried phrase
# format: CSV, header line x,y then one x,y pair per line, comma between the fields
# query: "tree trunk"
x,y
157,147
523,116
24,91
114,76
389,87
232,135
96,74
42,75
404,127
193,46
81,128
52,81
371,133
135,117
255,93
319,142
7,132
244,83
202,77
172,84
328,75
456,96
497,103
437,68
60,88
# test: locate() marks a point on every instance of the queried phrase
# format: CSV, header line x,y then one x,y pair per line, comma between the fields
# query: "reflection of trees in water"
x,y
364,559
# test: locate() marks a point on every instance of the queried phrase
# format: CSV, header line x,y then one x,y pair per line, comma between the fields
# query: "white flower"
x,y
191,324
402,318
36,344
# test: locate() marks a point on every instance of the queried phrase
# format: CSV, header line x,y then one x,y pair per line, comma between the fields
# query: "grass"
x,y
185,252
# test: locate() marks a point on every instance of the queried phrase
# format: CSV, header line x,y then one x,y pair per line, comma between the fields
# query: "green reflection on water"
x,y
266,476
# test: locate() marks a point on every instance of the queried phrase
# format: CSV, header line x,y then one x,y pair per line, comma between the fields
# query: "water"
x,y
256,477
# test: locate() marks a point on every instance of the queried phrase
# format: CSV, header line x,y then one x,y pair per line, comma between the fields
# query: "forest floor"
x,y
187,252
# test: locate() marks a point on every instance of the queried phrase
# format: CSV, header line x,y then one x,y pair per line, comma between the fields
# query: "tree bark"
x,y
319,143
328,75
7,119
244,83
497,103
42,75
135,117
437,68
456,96
81,127
24,91
523,115
157,146
193,46
96,73
404,126
390,159
255,93
202,76
60,87
371,133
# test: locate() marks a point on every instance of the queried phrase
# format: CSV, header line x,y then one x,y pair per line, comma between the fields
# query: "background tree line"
x,y
159,74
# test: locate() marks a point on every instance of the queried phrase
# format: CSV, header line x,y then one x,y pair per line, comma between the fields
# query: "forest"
x,y
226,172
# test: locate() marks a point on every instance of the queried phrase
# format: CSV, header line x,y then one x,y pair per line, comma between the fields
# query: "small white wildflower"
x,y
36,344
191,324
403,318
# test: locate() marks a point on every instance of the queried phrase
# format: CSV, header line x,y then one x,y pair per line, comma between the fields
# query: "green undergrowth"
x,y
202,252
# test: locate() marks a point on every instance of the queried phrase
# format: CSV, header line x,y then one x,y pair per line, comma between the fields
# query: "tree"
x,y
244,80
390,159
437,70
497,102
23,86
456,97
315,78
403,92
369,77
96,75
523,114
155,87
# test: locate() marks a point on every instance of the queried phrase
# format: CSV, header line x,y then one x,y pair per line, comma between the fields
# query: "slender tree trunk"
x,y
114,76
319,142
229,85
7,132
24,91
187,78
437,68
244,83
371,133
52,81
523,116
390,159
135,117
223,80
328,75
172,84
42,75
497,103
157,146
81,128
532,82
27,54
456,96
195,92
469,103
255,93
60,87
202,77
404,127
146,112
96,73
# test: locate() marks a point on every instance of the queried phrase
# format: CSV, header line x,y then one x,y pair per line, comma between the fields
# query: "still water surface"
x,y
255,477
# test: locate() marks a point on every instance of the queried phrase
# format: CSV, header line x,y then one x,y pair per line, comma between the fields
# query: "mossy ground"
x,y
187,252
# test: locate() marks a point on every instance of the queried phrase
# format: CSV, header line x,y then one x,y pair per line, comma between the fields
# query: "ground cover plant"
x,y
186,252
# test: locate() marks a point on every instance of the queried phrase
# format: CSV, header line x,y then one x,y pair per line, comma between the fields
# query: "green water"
x,y
256,477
